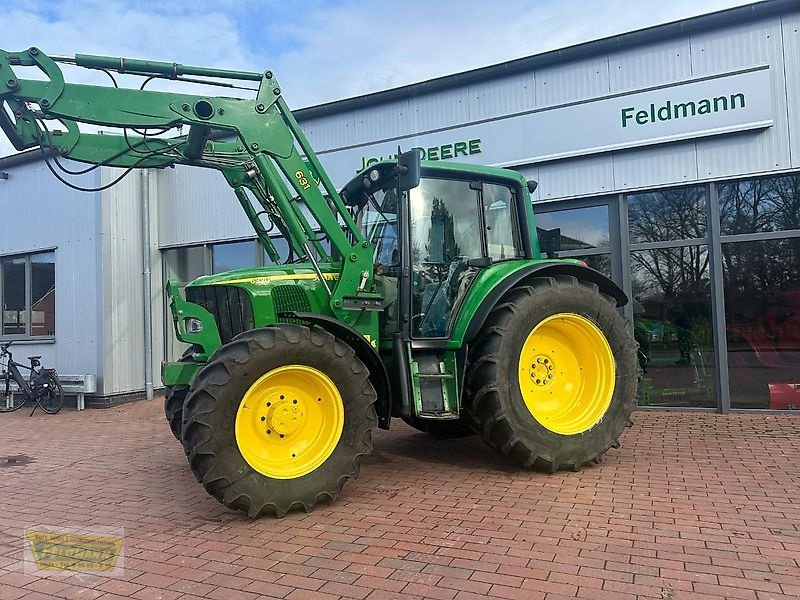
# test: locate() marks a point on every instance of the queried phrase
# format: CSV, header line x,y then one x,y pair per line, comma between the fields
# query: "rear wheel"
x,y
552,379
279,419
50,394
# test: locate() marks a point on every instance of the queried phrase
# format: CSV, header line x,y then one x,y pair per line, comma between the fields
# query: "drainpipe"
x,y
144,182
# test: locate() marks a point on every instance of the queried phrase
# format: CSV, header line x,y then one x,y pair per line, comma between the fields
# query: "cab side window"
x,y
500,221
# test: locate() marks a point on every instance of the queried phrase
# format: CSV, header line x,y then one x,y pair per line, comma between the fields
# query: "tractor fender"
x,y
366,354
545,269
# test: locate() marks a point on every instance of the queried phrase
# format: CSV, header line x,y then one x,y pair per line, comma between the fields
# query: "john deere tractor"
x,y
425,297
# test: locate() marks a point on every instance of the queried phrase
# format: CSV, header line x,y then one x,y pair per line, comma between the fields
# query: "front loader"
x,y
418,291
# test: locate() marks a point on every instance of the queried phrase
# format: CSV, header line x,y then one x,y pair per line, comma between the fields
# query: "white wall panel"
x,y
121,247
659,165
576,177
509,95
197,205
740,47
380,122
572,82
40,213
791,53
649,66
442,109
326,133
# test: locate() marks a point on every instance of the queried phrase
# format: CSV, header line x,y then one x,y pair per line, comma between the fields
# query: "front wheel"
x,y
174,398
279,419
551,382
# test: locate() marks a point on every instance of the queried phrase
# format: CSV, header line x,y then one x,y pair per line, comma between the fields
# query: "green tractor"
x,y
418,291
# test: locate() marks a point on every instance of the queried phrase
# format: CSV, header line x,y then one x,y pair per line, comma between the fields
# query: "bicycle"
x,y
42,386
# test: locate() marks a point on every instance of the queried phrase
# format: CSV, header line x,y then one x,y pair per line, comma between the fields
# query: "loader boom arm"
x,y
262,152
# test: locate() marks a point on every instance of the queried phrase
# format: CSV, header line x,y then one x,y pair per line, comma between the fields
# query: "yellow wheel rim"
x,y
567,373
289,421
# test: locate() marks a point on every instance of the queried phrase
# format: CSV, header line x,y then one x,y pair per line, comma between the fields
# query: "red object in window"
x,y
784,396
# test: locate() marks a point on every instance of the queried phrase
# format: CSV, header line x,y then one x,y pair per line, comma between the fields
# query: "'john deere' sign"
x,y
681,110
448,151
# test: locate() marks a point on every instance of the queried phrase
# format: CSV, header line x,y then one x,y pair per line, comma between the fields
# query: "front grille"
x,y
229,305
290,298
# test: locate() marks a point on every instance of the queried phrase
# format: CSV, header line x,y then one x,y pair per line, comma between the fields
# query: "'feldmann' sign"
x,y
681,110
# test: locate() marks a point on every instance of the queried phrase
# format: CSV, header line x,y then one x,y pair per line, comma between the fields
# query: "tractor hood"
x,y
260,276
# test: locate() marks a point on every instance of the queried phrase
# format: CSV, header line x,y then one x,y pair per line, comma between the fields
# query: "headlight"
x,y
374,175
193,325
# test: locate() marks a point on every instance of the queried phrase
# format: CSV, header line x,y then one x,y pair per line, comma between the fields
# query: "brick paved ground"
x,y
692,506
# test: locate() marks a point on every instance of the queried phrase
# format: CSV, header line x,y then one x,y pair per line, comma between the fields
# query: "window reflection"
x,y
762,305
236,255
598,262
13,296
580,228
499,214
445,233
673,214
672,324
185,264
43,294
282,247
757,205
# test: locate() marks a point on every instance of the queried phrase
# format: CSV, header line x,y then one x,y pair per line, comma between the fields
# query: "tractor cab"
x,y
441,232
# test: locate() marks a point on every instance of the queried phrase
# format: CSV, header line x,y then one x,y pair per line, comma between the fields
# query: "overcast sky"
x,y
326,50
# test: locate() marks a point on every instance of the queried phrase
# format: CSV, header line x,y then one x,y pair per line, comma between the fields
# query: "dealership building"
x,y
667,158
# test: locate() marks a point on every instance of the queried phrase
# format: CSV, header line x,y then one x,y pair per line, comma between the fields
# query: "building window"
x,y
28,295
760,226
671,297
233,255
578,228
762,328
581,233
667,215
760,205
672,325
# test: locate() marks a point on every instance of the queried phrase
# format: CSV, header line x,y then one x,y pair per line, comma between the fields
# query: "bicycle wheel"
x,y
51,396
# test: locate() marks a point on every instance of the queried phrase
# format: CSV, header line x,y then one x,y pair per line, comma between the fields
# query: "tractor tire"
x,y
174,397
444,430
563,343
267,395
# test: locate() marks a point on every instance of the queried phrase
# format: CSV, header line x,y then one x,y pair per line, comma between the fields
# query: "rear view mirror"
x,y
549,241
408,170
